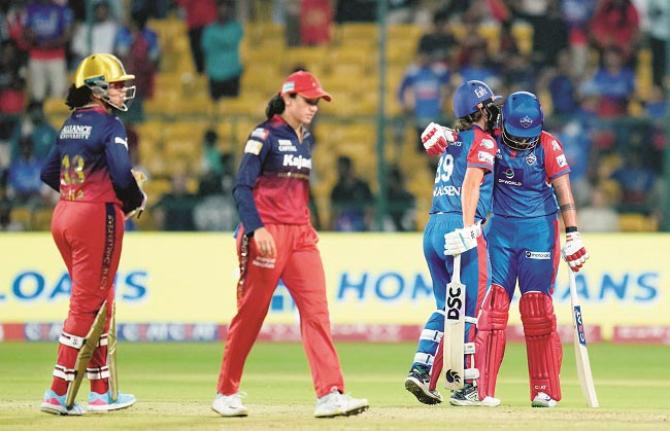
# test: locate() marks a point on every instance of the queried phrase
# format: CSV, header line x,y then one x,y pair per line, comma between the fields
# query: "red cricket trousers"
x,y
298,264
89,237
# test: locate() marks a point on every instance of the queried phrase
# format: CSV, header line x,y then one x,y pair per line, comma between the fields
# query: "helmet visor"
x,y
519,142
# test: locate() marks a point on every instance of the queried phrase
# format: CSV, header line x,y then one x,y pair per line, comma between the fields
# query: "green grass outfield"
x,y
175,384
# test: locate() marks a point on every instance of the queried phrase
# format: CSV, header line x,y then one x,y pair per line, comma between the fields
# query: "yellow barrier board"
x,y
371,278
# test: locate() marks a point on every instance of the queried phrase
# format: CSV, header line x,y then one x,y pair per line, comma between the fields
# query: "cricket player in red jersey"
x,y
89,166
276,240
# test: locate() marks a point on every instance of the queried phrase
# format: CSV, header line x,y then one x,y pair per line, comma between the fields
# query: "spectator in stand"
x,y
658,31
599,215
221,46
439,45
12,93
637,183
174,210
401,203
102,32
614,83
422,92
199,14
48,29
577,149
34,126
137,47
560,81
479,68
550,32
656,105
472,40
616,24
577,14
316,17
350,200
24,180
211,155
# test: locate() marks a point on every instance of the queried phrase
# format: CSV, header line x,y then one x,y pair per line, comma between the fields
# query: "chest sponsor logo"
x,y
286,145
538,255
260,133
299,162
562,161
253,147
448,190
510,177
531,159
75,131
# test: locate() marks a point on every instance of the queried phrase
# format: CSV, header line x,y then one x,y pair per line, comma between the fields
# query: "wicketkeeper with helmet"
x,y
276,240
531,174
89,166
464,169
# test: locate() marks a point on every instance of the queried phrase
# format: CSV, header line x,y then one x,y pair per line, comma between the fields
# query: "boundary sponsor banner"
x,y
374,280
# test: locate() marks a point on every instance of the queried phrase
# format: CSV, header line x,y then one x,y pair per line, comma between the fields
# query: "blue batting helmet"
x,y
522,115
470,96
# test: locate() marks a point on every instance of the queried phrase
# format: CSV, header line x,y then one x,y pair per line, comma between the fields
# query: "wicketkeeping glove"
x,y
574,252
461,240
436,138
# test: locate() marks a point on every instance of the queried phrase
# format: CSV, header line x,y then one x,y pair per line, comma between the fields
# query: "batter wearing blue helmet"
x,y
530,176
464,169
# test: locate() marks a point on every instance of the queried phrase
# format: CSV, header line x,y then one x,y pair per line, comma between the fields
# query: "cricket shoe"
x,y
55,404
543,400
336,404
230,406
468,396
417,382
104,403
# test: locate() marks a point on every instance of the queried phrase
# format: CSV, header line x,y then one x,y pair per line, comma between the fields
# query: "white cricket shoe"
x,y
543,400
468,396
337,404
230,405
54,404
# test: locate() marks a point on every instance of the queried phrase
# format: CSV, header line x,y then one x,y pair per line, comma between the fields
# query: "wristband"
x,y
570,229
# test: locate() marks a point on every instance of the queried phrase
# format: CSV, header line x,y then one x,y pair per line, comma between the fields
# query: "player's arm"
x,y
50,173
470,193
120,170
255,152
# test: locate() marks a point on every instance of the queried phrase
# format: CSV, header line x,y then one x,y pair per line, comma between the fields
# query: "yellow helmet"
x,y
97,71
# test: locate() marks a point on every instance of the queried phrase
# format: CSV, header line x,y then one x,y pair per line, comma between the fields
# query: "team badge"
x,y
253,147
561,160
526,122
531,159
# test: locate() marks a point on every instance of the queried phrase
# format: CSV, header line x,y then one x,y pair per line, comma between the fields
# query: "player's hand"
x,y
574,252
265,244
436,138
461,240
139,210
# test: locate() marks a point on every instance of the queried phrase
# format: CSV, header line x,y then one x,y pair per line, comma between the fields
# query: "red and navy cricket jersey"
x,y
474,148
90,163
523,178
272,183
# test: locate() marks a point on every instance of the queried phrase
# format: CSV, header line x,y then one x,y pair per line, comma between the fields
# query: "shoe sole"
x,y
463,403
236,415
542,406
107,408
48,408
415,389
352,412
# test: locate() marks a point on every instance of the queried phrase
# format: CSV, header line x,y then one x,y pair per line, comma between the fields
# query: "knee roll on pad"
x,y
490,339
543,345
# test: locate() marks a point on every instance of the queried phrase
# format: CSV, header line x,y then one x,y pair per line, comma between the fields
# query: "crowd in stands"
x,y
599,67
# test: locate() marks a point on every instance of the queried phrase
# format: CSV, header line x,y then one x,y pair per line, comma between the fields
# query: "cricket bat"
x,y
581,353
454,330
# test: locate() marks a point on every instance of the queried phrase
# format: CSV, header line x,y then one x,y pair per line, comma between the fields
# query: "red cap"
x,y
305,84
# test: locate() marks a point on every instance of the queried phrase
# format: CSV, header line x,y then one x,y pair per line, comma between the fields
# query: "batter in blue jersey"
x,y
467,160
531,173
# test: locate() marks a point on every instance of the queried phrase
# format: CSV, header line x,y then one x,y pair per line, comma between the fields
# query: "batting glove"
x,y
461,240
436,138
574,252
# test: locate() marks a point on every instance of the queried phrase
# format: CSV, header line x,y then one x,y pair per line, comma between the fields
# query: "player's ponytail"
x,y
465,123
78,97
275,106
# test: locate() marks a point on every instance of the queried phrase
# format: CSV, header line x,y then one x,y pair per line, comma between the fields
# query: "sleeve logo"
x,y
121,141
485,157
253,147
487,143
562,162
260,133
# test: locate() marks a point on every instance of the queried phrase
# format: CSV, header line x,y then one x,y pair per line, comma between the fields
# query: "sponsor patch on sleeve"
x,y
118,140
485,157
253,147
260,133
487,143
555,145
561,160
